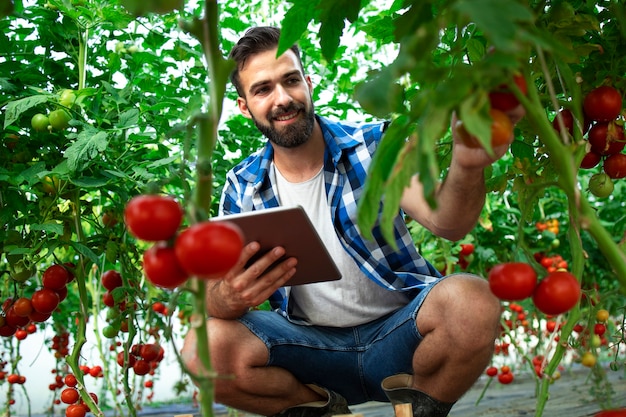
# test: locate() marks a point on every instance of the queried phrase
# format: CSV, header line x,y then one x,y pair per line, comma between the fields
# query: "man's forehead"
x,y
265,63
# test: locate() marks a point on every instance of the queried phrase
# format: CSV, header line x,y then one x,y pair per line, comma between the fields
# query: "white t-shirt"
x,y
352,300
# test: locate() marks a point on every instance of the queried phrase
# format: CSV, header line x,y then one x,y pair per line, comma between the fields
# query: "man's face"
x,y
277,98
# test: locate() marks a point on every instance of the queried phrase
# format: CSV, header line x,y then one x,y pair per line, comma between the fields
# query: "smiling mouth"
x,y
286,117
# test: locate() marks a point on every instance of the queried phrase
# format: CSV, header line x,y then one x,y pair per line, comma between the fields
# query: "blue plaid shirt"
x,y
251,185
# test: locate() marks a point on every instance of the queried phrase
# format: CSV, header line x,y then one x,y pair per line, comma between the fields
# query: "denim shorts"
x,y
351,361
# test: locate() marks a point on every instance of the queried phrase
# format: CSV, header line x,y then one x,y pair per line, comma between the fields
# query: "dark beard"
x,y
293,135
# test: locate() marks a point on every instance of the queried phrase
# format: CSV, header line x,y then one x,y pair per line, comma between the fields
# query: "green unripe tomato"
x,y
67,98
110,331
601,185
40,122
59,119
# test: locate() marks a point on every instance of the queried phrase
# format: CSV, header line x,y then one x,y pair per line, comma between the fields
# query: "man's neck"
x,y
302,162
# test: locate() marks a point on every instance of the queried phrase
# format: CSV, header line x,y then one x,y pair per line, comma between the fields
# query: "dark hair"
x,y
255,40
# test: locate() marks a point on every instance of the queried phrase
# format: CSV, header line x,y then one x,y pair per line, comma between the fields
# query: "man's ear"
x,y
243,107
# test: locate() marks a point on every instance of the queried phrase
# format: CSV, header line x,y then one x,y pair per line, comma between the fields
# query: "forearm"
x,y
460,201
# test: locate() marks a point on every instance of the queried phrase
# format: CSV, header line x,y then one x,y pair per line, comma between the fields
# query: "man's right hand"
x,y
245,287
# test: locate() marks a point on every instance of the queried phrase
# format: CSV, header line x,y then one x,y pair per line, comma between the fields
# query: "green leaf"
x,y
17,107
50,227
295,23
129,118
90,142
333,15
85,251
498,19
381,95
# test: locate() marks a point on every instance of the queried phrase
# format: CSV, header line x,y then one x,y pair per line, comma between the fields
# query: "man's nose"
x,y
282,96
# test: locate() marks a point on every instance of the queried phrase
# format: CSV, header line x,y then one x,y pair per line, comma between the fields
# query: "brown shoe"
x,y
397,388
336,404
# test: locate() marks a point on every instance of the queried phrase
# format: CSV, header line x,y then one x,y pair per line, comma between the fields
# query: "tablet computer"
x,y
291,228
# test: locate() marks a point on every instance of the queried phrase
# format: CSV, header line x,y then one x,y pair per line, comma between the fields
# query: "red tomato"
x,y
75,410
606,138
590,160
70,380
615,166
603,103
512,281
23,307
612,413
149,351
69,395
491,371
505,378
141,367
55,277
153,217
557,293
209,249
503,99
467,249
162,268
45,300
111,279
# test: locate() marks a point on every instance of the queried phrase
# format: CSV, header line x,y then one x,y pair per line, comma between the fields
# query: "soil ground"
x,y
570,396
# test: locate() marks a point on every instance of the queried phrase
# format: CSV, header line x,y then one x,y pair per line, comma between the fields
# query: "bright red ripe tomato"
x,y
503,99
75,410
209,249
153,217
512,281
467,249
69,395
55,277
599,329
45,300
70,380
606,138
162,268
557,293
505,378
615,166
491,371
603,103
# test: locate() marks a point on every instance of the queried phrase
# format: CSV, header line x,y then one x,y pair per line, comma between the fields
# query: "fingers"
x,y
252,285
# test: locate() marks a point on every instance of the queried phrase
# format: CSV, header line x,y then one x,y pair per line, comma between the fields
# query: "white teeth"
x,y
283,118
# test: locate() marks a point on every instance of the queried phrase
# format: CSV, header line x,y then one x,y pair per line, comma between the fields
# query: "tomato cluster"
x,y
501,100
504,374
143,358
555,294
205,250
603,126
19,314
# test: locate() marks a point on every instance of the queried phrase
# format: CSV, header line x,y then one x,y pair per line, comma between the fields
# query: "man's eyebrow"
x,y
284,76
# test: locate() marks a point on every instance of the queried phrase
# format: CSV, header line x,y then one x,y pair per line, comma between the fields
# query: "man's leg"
x,y
459,321
245,382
